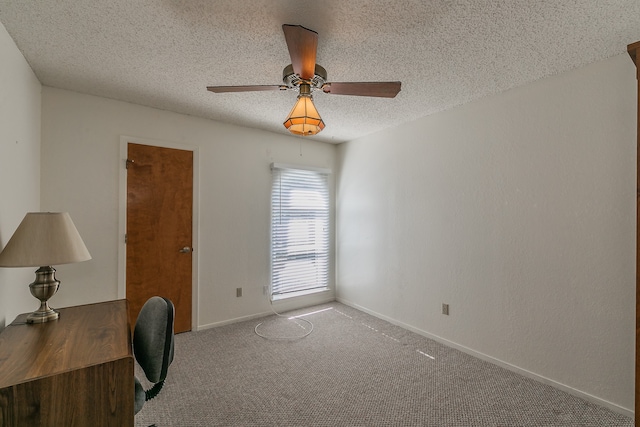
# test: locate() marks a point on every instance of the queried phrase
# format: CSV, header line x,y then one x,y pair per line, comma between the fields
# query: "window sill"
x,y
298,294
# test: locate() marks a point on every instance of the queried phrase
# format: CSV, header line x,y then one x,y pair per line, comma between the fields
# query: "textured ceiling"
x,y
163,53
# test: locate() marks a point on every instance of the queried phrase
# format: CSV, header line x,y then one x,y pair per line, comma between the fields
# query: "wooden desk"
x,y
75,371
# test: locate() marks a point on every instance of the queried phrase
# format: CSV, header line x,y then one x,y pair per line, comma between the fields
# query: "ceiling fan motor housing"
x,y
292,80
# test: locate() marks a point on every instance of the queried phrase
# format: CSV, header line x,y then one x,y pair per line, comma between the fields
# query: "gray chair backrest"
x,y
153,338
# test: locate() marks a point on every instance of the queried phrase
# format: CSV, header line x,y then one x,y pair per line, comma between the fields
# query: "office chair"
x,y
153,346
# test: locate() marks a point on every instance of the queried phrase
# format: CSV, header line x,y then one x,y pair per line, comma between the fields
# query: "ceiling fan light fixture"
x,y
305,75
304,118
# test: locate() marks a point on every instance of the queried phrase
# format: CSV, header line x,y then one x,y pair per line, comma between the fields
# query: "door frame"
x,y
122,216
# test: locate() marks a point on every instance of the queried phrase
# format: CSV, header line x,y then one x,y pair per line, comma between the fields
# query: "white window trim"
x,y
302,168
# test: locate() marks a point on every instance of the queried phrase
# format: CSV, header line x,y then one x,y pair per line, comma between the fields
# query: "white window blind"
x,y
299,231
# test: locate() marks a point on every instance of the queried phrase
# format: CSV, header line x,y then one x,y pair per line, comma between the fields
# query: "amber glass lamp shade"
x,y
304,119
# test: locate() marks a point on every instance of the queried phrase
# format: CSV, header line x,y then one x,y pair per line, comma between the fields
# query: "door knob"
x,y
185,250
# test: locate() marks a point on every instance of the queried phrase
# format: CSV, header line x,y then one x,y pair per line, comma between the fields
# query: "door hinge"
x,y
125,238
127,162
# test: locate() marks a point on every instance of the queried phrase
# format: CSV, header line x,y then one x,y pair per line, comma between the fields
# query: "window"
x,y
299,231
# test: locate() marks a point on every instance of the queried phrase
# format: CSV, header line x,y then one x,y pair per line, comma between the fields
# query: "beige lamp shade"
x,y
44,239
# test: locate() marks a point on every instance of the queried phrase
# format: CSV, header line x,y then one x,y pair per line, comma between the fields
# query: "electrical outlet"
x,y
238,292
445,309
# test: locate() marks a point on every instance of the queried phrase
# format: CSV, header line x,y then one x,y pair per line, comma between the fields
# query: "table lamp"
x,y
41,240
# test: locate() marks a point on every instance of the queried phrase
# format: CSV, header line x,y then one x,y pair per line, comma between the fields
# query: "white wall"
x,y
518,210
81,163
19,168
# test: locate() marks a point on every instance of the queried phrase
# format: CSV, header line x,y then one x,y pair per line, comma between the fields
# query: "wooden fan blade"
x,y
223,89
379,89
302,43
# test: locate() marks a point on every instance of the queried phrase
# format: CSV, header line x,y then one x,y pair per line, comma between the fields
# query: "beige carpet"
x,y
351,370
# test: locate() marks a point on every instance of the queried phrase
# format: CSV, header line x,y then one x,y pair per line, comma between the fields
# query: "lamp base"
x,y
43,315
44,287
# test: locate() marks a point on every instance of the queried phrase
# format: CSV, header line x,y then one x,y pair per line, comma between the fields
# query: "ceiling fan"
x,y
305,76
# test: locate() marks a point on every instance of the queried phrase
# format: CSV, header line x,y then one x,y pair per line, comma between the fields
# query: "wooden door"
x,y
634,52
159,229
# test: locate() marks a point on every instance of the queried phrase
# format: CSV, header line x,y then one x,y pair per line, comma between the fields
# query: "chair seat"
x,y
139,397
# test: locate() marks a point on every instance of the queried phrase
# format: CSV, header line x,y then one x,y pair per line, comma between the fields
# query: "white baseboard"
x,y
575,392
281,306
234,320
